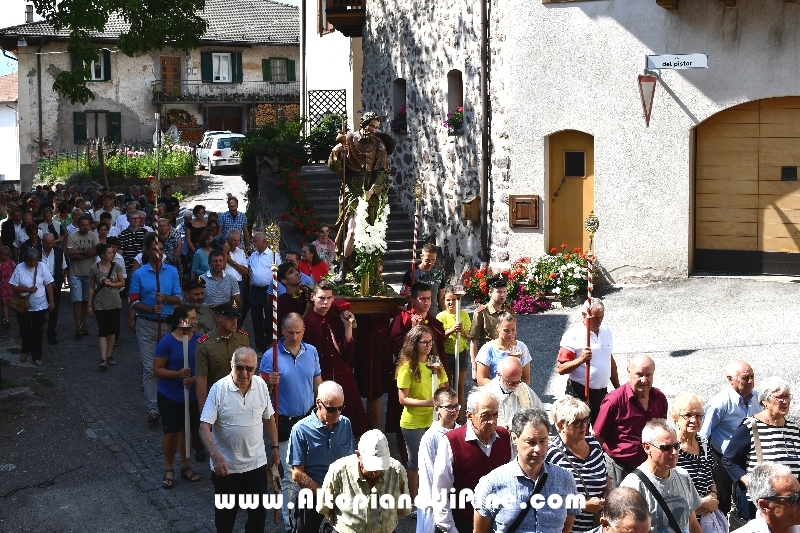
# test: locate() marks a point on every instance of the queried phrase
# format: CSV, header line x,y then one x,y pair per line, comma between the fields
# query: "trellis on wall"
x,y
323,102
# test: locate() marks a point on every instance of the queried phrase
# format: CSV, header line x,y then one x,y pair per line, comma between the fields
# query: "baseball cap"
x,y
374,450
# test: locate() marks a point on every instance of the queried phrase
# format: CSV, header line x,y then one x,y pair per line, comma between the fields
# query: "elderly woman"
x,y
695,454
582,455
504,345
32,280
778,441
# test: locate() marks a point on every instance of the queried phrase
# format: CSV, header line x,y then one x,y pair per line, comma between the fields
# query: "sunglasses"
x,y
248,369
579,422
426,343
791,499
666,448
331,409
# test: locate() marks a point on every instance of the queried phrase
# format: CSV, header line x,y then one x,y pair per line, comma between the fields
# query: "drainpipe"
x,y
303,107
484,165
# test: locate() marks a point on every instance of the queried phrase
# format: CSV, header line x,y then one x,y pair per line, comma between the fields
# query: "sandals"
x,y
168,482
193,477
153,418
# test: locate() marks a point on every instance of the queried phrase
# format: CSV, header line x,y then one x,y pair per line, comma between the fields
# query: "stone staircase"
x,y
322,190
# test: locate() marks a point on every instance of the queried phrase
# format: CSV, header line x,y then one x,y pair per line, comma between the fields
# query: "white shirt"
x,y
72,229
122,223
49,260
237,420
261,268
115,214
23,276
523,397
240,258
759,525
427,456
21,236
602,346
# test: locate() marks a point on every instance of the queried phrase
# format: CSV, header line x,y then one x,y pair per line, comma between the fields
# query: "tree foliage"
x,y
154,24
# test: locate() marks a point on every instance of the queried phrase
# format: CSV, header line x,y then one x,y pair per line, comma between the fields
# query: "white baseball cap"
x,y
374,450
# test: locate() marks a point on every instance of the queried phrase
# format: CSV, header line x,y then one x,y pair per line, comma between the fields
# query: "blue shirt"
x,y
509,484
226,222
143,283
306,280
296,388
724,413
314,448
171,349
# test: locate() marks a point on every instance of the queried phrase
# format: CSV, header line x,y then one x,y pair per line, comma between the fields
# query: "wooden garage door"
x,y
747,218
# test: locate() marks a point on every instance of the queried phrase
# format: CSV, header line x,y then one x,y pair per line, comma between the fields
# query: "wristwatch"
x,y
275,447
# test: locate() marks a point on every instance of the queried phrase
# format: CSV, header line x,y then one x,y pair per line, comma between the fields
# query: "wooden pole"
x,y
591,224
458,293
417,197
186,425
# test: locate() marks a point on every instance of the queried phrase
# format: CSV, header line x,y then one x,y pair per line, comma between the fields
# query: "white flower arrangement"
x,y
369,239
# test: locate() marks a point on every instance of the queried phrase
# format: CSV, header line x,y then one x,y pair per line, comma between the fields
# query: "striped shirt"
x,y
589,473
699,467
220,291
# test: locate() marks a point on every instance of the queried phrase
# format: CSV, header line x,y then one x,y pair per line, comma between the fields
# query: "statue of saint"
x,y
361,158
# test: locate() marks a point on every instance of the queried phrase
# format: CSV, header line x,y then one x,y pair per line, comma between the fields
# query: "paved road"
x,y
88,429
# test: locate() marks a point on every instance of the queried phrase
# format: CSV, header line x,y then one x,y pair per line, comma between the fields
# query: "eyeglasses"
x,y
782,399
666,448
449,408
791,499
692,416
331,409
511,383
242,368
426,343
579,422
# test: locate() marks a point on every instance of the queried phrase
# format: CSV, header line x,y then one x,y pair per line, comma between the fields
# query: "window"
x,y
575,164
99,69
278,69
96,69
222,67
89,125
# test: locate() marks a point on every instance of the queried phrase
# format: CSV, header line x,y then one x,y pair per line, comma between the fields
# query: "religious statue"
x,y
361,158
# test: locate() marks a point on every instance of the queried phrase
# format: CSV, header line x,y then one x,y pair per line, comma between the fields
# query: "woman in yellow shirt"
x,y
448,320
415,367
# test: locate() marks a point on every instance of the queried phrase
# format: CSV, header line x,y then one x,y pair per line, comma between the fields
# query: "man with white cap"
x,y
353,478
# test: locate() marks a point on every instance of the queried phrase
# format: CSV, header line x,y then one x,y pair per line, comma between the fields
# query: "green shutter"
x,y
76,65
238,76
79,126
266,69
290,70
115,126
206,67
106,64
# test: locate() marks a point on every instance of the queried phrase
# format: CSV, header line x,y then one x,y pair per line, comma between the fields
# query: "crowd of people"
x,y
190,276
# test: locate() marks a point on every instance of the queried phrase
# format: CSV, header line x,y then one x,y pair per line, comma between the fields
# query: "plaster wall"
x,y
9,153
574,66
333,62
128,92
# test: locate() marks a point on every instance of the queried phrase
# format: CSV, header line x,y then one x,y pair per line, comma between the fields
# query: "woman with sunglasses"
x,y
778,441
326,248
414,374
695,454
173,377
582,455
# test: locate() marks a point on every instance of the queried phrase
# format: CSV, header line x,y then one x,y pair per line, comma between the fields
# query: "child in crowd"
x,y
448,320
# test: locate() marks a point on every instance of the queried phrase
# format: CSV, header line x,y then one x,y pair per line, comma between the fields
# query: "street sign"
x,y
677,61
647,90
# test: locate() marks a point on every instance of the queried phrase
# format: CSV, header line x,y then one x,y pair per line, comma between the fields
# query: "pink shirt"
x,y
621,421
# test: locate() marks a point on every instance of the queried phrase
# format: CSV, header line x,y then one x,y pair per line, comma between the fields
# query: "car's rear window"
x,y
226,142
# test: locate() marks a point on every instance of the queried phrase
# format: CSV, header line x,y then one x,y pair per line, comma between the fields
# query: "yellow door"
x,y
571,192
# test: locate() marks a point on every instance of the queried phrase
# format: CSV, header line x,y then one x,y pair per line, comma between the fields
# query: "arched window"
x,y
455,102
399,118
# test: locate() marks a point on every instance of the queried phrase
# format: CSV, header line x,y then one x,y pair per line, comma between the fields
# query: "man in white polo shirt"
x,y
236,267
239,409
573,356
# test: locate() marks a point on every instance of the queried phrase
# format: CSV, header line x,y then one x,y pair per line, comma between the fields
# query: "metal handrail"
x,y
248,91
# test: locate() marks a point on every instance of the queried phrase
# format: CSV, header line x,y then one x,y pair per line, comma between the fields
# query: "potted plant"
x,y
454,121
399,123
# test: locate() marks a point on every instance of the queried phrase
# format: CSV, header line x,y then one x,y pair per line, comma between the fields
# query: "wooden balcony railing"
x,y
248,91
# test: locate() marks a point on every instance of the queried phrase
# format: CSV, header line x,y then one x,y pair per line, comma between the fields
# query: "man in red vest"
x,y
464,456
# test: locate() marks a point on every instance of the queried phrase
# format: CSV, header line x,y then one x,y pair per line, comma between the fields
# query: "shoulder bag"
x,y
522,514
565,453
659,499
21,304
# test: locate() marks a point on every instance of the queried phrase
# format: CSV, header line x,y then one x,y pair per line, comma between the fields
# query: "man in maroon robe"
x,y
295,299
332,336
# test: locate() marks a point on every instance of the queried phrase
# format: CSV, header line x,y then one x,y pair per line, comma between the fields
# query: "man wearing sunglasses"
x,y
660,443
512,394
777,495
239,409
315,443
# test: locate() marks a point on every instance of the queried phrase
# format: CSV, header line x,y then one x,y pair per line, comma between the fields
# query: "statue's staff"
x,y
591,224
417,197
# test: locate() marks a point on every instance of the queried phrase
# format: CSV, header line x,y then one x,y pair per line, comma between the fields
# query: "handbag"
x,y
20,304
659,499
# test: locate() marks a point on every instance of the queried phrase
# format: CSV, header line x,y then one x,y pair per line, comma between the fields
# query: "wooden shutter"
x,y
523,211
115,126
79,126
106,65
266,69
290,70
236,64
206,67
76,65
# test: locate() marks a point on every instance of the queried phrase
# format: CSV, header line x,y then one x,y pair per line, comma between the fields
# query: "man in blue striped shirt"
x,y
234,219
723,414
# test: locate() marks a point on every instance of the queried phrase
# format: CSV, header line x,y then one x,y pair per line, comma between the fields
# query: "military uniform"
x,y
484,323
213,354
206,322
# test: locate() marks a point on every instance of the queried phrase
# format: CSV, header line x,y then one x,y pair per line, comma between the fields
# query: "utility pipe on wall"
x,y
484,165
39,96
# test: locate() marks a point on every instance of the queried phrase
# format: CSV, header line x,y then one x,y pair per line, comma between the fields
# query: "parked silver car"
x,y
217,151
